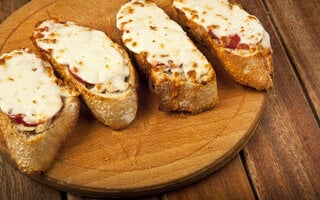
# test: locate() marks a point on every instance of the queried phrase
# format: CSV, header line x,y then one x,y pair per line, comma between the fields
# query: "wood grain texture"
x,y
158,151
228,183
14,185
298,23
283,157
70,196
9,6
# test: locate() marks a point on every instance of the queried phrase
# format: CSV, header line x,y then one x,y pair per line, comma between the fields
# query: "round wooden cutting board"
x,y
158,151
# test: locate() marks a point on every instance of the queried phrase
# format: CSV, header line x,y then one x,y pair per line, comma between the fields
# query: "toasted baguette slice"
x,y
97,67
179,74
237,38
37,113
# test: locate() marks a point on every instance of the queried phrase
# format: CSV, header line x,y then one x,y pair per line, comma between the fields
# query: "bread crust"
x,y
254,70
116,110
34,152
179,95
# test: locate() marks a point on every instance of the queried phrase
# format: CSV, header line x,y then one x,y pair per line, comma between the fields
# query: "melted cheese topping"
x,y
225,20
28,87
147,29
89,53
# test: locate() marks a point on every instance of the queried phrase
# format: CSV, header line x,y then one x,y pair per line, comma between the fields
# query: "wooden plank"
x,y
70,196
298,23
9,6
287,167
230,182
14,185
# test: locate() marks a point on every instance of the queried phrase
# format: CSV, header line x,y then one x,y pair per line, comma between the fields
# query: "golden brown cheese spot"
x,y
213,27
138,3
128,10
223,17
195,16
154,28
164,55
126,41
251,17
5,58
193,13
125,22
10,79
243,46
49,71
75,69
192,74
44,29
134,44
2,61
171,63
207,65
194,65
189,10
99,87
52,34
38,36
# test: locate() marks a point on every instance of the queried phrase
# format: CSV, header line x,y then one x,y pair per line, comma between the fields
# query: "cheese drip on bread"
x,y
29,93
147,29
227,23
90,54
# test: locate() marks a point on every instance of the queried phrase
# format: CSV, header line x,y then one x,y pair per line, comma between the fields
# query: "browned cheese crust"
x,y
115,110
175,95
34,152
258,66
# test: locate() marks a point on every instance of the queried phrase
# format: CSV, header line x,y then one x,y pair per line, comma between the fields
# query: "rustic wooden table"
x,y
282,159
